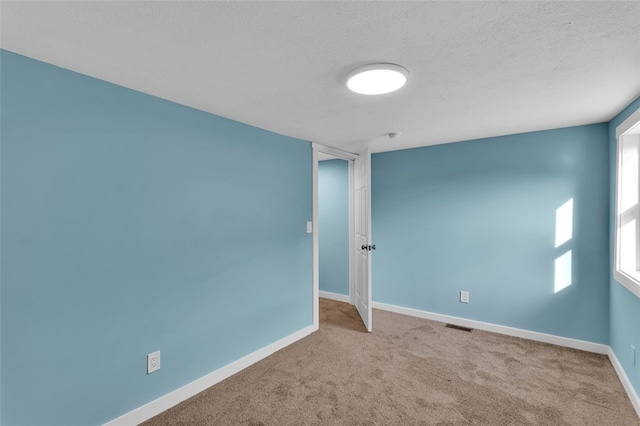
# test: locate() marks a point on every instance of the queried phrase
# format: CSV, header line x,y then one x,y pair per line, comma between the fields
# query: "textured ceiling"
x,y
477,69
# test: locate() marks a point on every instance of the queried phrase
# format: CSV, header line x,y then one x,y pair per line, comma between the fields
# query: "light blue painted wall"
x,y
333,218
131,224
624,306
480,216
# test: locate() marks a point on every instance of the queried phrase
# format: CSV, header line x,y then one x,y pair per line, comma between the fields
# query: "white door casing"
x,y
350,157
363,237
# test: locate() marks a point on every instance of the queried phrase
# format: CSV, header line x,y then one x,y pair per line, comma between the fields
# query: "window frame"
x,y
628,279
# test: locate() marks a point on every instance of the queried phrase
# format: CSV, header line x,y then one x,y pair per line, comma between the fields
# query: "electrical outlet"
x,y
153,362
464,296
309,227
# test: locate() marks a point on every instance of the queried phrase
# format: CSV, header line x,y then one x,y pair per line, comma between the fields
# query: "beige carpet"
x,y
412,371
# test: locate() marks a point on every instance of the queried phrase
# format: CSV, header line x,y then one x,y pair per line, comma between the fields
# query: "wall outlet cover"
x,y
464,296
153,362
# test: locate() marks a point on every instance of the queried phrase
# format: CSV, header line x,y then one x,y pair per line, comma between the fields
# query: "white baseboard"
x,y
624,379
501,329
526,334
171,399
167,401
335,296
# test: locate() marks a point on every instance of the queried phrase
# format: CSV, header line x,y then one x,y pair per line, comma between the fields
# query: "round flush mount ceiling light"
x,y
377,79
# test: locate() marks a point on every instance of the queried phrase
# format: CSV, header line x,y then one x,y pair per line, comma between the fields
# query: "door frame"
x,y
349,157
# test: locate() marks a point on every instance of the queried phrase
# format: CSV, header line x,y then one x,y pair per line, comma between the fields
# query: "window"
x,y
627,249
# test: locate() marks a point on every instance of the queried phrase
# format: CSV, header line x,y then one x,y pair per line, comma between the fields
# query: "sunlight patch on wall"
x,y
564,223
562,272
564,233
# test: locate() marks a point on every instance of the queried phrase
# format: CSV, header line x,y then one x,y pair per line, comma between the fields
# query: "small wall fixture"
x,y
377,79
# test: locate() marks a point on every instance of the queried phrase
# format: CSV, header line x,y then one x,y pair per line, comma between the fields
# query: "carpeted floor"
x,y
411,371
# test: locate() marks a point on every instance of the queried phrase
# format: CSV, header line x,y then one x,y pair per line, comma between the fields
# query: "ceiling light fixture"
x,y
377,79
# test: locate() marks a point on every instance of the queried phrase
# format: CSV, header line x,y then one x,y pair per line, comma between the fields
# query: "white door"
x,y
363,247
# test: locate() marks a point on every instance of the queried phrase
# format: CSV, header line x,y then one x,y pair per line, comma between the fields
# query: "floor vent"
x,y
459,327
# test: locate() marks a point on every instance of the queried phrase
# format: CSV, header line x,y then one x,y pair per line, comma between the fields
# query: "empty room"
x,y
314,212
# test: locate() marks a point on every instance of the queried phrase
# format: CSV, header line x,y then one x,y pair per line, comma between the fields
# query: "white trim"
x,y
624,379
335,296
630,126
315,250
345,155
501,329
171,399
352,236
627,281
629,123
526,334
349,157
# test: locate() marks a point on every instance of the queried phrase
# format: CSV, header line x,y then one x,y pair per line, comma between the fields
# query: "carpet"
x,y
411,371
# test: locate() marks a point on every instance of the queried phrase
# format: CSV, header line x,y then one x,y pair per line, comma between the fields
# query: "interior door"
x,y
363,247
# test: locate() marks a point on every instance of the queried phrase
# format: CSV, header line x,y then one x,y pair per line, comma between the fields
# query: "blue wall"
x,y
131,224
333,220
624,306
481,216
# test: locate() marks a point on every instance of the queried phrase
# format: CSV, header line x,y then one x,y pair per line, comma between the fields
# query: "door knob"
x,y
364,247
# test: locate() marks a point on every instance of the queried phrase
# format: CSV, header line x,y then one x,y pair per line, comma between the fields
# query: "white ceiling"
x,y
477,69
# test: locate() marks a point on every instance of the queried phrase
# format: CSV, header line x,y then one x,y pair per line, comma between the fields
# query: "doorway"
x,y
333,225
359,230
